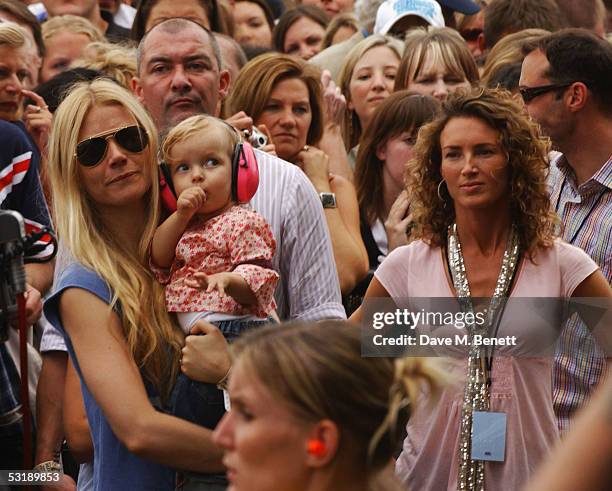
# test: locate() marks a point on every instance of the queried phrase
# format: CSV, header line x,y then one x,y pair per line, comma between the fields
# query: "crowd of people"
x,y
230,181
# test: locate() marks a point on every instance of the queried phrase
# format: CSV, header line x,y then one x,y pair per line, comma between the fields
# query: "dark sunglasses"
x,y
530,93
470,34
90,152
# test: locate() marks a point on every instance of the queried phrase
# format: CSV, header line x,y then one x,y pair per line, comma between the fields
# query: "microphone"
x,y
12,270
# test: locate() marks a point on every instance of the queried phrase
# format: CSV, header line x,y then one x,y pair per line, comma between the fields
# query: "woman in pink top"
x,y
484,229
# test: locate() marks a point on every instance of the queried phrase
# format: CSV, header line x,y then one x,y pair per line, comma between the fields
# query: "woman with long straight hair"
x,y
107,304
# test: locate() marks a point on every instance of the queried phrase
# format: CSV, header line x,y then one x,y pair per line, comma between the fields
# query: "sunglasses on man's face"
x,y
91,152
470,34
530,93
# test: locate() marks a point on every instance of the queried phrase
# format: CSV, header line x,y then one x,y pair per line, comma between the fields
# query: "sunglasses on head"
x,y
530,93
91,152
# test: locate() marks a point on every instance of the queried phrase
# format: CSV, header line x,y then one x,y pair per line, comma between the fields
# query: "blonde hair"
x,y
116,61
192,125
71,23
154,341
446,46
527,152
366,10
509,50
351,126
316,371
13,35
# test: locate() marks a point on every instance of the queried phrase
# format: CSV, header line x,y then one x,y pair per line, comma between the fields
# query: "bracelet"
x,y
48,466
222,384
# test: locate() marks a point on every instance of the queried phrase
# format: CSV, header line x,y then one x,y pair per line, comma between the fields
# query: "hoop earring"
x,y
440,192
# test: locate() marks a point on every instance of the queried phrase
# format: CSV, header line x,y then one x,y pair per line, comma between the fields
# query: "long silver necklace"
x,y
476,393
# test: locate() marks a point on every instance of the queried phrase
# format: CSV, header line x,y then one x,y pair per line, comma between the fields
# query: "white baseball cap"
x,y
390,11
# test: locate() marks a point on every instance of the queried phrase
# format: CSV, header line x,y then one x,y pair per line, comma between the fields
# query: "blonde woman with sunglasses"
x,y
111,311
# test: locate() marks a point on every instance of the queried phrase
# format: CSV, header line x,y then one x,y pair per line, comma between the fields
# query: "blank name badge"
x,y
488,436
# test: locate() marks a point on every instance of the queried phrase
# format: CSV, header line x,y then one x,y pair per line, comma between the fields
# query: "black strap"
x,y
499,316
370,243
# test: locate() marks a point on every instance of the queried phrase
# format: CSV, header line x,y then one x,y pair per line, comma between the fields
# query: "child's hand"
x,y
210,282
190,201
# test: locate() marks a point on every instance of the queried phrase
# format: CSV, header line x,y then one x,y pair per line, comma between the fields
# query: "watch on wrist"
x,y
328,200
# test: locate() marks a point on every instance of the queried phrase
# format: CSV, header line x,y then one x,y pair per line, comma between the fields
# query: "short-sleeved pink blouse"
x,y
521,387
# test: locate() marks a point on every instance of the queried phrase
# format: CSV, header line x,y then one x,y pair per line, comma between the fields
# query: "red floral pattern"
x,y
238,241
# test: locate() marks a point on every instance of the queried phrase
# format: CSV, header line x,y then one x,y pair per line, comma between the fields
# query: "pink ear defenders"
x,y
245,173
167,194
245,178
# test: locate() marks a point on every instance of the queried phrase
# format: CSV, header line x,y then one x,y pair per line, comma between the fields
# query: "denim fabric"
x,y
190,481
202,403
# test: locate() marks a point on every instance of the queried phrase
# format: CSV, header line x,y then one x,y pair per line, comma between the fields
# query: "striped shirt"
x,y
308,288
586,215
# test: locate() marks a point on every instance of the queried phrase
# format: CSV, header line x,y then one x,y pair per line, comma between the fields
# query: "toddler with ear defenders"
x,y
213,253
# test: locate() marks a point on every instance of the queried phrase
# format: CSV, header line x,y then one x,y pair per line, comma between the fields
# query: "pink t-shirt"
x,y
521,386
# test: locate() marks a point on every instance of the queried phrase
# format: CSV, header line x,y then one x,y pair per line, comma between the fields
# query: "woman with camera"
x,y
284,93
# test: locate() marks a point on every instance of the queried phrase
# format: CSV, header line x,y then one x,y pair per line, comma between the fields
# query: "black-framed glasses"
x,y
91,151
530,93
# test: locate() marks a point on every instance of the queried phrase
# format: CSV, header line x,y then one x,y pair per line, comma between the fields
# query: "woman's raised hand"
x,y
315,164
38,120
398,222
241,121
269,148
333,100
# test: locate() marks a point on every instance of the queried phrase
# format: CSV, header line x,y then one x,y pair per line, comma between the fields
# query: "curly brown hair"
x,y
527,152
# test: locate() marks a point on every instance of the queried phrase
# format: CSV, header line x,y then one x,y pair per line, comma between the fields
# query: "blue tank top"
x,y
115,468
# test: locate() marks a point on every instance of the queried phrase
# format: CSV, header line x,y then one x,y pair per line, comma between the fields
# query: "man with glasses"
x,y
566,86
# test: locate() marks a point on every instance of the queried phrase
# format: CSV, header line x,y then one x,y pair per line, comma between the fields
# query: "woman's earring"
x,y
439,191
